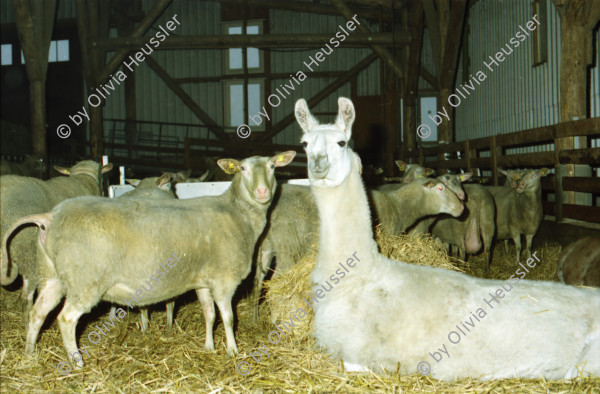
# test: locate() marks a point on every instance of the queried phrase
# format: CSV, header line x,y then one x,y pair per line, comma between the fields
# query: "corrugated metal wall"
x,y
515,95
157,103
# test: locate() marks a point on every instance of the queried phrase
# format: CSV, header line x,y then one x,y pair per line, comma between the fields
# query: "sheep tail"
x,y
8,272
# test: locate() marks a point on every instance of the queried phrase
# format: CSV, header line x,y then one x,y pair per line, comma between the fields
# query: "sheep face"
x,y
329,158
257,174
513,177
453,182
531,180
442,196
412,172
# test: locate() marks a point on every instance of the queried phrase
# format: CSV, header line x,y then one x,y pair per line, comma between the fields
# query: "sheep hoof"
x,y
232,351
209,347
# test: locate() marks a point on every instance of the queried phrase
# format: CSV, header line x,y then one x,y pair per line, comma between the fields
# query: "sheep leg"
x,y
49,296
506,245
516,237
26,299
145,320
208,306
461,253
170,310
227,316
528,242
67,321
265,257
113,312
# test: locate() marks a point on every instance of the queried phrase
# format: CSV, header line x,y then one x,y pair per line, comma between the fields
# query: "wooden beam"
x,y
581,212
452,42
137,33
432,23
332,87
430,78
284,75
380,50
303,6
581,184
411,82
579,156
187,100
354,40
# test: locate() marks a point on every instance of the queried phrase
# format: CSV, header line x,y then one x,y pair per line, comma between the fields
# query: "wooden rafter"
x,y
255,41
303,6
452,42
187,100
380,50
432,22
138,32
320,96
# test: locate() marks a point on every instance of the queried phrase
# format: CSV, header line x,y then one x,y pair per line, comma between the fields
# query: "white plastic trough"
x,y
192,190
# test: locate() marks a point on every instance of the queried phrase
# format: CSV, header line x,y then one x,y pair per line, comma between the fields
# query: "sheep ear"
x,y
429,184
106,168
544,171
401,165
305,119
428,171
133,182
283,159
503,172
515,176
204,176
63,170
346,115
466,176
230,166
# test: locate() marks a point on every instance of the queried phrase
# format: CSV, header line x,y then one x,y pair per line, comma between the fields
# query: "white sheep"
x,y
392,315
104,249
21,196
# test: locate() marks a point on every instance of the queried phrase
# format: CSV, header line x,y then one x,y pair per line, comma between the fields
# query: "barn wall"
x,y
516,95
157,103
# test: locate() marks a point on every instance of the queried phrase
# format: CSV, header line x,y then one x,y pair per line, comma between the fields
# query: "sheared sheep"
x,y
120,242
22,196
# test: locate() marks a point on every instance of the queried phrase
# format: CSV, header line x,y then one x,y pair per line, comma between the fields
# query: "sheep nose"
x,y
461,196
262,192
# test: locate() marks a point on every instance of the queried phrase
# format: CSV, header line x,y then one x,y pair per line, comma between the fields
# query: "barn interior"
x,y
154,86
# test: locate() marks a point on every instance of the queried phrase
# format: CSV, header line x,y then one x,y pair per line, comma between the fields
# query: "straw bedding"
x,y
129,361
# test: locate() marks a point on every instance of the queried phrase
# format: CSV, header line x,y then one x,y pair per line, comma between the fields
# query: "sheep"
x,y
158,188
120,242
293,223
579,263
22,196
519,210
33,166
477,224
390,315
413,171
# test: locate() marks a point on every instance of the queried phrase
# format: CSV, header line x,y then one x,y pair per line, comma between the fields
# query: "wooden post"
x,y
578,18
34,27
468,155
494,161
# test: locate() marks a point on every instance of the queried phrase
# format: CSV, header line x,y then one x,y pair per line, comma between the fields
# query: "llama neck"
x,y
345,222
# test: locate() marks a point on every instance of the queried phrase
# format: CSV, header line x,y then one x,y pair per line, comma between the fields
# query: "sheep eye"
x,y
441,187
342,143
272,166
243,168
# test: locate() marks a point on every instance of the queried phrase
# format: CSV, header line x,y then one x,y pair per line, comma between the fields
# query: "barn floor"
x,y
129,361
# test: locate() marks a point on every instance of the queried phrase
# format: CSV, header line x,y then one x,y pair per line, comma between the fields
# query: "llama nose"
x,y
321,162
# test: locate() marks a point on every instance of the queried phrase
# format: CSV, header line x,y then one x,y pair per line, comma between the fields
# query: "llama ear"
x,y
304,117
346,115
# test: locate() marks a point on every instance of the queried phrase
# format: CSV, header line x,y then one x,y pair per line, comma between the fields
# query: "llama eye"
x,y
304,143
342,143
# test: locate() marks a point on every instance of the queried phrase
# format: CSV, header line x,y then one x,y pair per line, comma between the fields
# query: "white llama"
x,y
388,315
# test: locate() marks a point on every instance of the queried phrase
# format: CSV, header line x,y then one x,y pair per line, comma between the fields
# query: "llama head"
x,y
329,157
